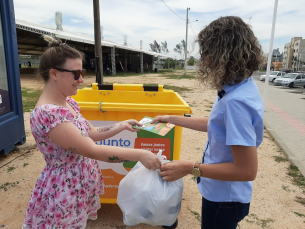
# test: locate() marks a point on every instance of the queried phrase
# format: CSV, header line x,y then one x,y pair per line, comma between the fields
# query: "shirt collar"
x,y
230,87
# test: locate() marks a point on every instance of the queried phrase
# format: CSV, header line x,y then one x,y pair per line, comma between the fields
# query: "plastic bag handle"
x,y
161,157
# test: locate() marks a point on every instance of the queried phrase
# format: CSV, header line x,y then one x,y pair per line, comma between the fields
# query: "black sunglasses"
x,y
77,73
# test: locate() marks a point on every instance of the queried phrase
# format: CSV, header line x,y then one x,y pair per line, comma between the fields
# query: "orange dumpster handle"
x,y
127,87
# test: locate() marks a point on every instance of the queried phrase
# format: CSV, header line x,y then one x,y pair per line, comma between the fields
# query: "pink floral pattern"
x,y
67,191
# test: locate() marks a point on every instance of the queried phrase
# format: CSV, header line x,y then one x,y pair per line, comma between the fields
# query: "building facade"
x,y
292,53
298,55
277,56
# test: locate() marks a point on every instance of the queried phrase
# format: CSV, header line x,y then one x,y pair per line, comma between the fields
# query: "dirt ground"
x,y
274,197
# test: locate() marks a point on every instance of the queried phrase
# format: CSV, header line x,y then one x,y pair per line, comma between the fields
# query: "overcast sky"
x,y
150,20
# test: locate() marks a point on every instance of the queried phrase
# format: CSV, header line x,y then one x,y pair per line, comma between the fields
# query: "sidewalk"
x,y
284,118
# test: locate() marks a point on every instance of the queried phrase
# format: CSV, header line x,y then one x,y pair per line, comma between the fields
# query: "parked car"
x,y
291,80
286,70
272,76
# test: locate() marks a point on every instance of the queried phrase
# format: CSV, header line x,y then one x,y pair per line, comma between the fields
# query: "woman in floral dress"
x,y
67,191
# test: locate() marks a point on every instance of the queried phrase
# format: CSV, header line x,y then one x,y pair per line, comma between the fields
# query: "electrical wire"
x,y
173,11
192,29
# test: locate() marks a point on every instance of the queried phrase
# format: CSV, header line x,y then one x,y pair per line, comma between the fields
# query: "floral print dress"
x,y
67,191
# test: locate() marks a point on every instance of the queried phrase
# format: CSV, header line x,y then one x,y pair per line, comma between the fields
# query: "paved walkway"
x,y
284,118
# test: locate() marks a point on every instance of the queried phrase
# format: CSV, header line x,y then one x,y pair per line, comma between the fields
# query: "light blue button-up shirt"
x,y
235,119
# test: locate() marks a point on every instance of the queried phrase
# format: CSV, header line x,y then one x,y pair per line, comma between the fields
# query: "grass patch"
x,y
197,215
279,158
122,74
81,86
207,110
264,223
299,214
176,89
173,76
8,184
25,164
29,98
297,177
285,188
11,168
300,200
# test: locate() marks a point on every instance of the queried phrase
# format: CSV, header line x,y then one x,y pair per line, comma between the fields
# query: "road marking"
x,y
286,117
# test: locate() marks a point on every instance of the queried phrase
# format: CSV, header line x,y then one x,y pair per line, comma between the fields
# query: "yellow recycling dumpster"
x,y
104,105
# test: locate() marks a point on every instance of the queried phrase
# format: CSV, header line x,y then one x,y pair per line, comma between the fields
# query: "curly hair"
x,y
229,52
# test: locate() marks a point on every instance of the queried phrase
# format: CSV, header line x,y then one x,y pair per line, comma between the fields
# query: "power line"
x,y
192,29
173,11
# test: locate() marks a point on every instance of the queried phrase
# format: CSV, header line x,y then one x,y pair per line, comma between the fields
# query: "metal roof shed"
x,y
115,55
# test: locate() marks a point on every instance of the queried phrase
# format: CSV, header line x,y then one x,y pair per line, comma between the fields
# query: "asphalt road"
x,y
284,118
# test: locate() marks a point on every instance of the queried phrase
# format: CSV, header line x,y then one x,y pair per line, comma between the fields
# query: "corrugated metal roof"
x,y
77,37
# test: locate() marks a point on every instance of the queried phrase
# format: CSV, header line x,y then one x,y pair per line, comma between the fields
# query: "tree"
x,y
180,48
191,62
164,47
155,47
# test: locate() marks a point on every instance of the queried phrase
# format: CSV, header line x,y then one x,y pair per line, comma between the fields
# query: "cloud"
x,y
151,20
76,20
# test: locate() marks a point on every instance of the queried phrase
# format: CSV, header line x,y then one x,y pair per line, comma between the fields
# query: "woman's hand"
x,y
175,170
128,125
161,118
150,160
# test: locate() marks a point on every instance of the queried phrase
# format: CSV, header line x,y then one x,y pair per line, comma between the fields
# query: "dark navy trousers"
x,y
222,215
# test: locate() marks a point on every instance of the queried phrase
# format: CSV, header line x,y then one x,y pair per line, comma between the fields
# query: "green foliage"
x,y
176,89
11,168
29,98
285,188
180,49
191,62
252,218
279,158
8,184
197,215
299,214
164,47
155,47
300,200
297,177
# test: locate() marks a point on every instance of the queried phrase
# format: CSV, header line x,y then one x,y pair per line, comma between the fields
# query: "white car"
x,y
272,76
291,80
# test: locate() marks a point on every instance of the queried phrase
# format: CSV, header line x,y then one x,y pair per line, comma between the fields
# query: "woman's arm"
x,y
243,168
199,124
69,137
104,132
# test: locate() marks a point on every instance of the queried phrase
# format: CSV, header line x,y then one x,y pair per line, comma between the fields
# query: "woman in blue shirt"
x,y
229,54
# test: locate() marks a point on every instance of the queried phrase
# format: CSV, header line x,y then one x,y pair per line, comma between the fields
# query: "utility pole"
x,y
97,43
270,53
185,48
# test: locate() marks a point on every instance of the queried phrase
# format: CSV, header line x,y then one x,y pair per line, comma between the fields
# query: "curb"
x,y
25,146
288,153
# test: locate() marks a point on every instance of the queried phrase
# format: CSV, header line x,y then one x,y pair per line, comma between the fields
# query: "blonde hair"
x,y
229,52
55,56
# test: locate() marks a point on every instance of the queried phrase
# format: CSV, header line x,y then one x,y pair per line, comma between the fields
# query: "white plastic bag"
x,y
145,198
